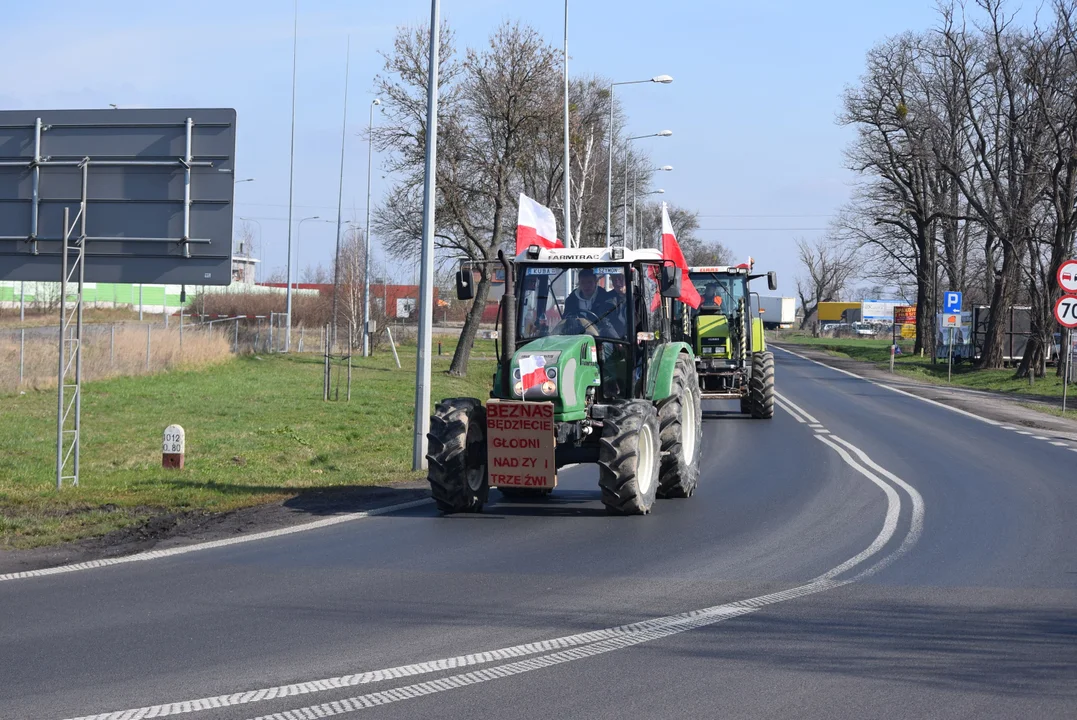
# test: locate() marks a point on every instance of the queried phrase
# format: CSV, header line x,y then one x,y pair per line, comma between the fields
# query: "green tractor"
x,y
732,360
587,373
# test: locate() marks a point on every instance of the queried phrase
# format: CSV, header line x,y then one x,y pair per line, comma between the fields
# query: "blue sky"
x,y
756,88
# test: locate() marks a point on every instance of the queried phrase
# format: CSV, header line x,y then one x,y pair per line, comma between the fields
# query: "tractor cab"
x,y
726,335
601,308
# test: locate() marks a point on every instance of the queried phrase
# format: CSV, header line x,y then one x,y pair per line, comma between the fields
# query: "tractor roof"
x,y
584,256
729,269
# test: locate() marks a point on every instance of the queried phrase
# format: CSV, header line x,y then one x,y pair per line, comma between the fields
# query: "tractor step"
x,y
721,395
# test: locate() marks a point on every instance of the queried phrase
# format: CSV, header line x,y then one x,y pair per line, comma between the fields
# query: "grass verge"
x,y
257,432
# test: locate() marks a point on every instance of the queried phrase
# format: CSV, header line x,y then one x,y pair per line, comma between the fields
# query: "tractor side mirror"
x,y
671,281
465,285
772,280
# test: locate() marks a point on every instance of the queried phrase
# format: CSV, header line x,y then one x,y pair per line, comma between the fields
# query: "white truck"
x,y
776,312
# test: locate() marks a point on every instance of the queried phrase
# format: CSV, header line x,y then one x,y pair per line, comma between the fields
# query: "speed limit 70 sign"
x,y
1066,311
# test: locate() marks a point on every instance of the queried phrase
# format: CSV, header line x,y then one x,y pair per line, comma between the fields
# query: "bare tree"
x,y
494,106
829,265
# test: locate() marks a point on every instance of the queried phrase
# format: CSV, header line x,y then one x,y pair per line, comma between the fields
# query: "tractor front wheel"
x,y
681,433
628,459
456,456
761,386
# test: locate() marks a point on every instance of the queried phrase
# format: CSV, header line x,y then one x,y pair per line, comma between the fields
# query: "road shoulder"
x,y
173,530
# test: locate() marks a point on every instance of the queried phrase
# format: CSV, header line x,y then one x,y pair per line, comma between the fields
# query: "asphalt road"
x,y
864,554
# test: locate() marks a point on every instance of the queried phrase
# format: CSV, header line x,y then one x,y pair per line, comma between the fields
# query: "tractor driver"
x,y
587,297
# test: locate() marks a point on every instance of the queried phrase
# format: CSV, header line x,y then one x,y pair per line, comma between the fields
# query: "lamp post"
x,y
366,234
291,187
237,182
299,244
624,217
259,224
635,195
663,79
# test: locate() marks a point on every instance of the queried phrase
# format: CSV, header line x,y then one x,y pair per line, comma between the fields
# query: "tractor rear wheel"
x,y
456,455
628,459
761,386
681,433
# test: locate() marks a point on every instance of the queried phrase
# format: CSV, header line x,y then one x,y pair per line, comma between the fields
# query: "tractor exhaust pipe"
x,y
508,315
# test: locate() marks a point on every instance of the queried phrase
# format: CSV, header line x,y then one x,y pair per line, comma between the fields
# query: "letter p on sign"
x,y
172,449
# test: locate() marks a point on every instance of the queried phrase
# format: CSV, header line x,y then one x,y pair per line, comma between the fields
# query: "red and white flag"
x,y
535,225
671,251
532,371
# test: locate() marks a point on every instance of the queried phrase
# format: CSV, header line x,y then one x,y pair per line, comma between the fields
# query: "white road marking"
x,y
171,552
799,409
916,522
791,411
1038,437
1059,444
1023,432
893,509
563,649
1007,427
959,411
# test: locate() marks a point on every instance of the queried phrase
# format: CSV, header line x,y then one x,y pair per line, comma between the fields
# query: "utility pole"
x,y
426,288
291,187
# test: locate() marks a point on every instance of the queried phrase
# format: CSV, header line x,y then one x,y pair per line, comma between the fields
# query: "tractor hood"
x,y
559,368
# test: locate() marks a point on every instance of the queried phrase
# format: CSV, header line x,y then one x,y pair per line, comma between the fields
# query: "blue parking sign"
x,y
951,302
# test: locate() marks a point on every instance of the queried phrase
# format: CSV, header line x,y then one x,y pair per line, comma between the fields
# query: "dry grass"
x,y
102,358
307,310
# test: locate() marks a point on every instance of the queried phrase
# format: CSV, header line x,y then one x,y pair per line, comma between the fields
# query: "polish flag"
x,y
532,371
671,250
535,225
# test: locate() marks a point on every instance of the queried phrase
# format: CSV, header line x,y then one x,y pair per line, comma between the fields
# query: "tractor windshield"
x,y
573,300
719,291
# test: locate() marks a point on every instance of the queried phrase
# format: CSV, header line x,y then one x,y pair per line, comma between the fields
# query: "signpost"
x,y
1066,315
951,306
150,192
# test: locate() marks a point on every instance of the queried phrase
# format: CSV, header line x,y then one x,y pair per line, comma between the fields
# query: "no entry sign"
x,y
1066,311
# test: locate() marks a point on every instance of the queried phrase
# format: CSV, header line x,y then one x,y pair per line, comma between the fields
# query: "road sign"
x,y
1066,311
908,332
952,320
157,186
1067,277
951,303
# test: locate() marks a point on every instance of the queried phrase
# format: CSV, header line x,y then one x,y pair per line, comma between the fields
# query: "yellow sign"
x,y
908,332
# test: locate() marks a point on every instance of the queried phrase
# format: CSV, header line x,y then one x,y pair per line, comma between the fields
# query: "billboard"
x,y
158,188
879,311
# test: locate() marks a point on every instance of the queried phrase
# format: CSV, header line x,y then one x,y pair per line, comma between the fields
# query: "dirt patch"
x,y
165,530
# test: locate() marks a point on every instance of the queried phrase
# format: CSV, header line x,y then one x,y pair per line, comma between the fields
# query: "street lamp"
x,y
259,224
624,217
366,252
635,195
237,182
299,244
664,80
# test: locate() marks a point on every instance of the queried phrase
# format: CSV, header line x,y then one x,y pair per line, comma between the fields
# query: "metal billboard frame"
x,y
136,152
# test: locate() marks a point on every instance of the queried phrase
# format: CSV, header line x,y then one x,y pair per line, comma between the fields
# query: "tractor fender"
x,y
663,363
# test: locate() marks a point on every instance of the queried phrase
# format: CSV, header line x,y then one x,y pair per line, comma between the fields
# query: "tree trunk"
x,y
462,354
991,355
925,311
